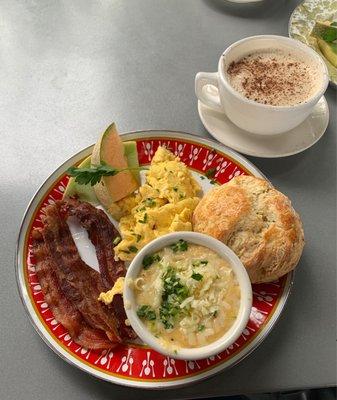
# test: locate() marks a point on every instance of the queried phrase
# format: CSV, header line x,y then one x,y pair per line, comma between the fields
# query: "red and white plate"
x,y
139,365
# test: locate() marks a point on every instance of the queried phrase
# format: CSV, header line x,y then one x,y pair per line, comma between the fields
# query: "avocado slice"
x,y
320,29
329,50
82,192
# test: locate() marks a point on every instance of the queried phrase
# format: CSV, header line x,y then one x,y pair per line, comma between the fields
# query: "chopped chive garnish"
x,y
149,202
133,249
196,276
146,312
117,240
144,220
149,259
181,245
174,293
197,263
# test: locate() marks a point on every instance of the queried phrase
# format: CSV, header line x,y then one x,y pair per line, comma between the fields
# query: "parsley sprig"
x,y
93,175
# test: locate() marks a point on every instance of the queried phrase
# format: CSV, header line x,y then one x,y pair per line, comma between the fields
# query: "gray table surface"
x,y
69,68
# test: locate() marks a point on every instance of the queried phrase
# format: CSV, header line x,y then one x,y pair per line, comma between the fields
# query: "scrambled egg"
x,y
107,297
165,203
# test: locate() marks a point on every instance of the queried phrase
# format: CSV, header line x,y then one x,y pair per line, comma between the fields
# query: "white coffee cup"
x,y
248,114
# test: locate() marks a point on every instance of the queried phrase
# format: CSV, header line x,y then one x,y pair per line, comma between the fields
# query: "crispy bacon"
x,y
63,309
80,283
102,233
71,287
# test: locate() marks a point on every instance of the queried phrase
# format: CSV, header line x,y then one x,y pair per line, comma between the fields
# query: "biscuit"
x,y
257,222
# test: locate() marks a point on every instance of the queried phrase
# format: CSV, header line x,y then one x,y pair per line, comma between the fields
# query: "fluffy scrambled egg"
x,y
107,297
163,204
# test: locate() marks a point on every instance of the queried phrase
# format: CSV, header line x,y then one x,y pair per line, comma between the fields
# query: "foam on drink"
x,y
274,77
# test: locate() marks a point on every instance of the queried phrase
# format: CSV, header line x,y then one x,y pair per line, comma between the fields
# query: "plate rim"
x,y
68,357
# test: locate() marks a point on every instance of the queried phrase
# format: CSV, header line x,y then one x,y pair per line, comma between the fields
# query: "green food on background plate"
x,y
314,22
326,36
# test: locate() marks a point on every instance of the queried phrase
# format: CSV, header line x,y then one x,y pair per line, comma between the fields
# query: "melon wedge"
x,y
110,149
82,192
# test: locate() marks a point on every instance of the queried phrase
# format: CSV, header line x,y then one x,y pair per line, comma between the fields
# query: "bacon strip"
x,y
80,283
63,310
102,233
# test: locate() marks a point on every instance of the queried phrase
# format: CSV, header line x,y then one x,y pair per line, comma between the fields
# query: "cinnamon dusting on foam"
x,y
274,77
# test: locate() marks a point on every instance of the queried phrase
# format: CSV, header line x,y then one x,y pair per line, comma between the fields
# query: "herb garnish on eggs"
x,y
163,204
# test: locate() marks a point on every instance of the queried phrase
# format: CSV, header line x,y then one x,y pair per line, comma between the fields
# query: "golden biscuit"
x,y
257,222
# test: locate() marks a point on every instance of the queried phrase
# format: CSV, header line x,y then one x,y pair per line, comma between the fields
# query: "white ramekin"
x,y
243,279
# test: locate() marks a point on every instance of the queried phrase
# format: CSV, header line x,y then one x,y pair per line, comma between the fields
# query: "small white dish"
x,y
284,144
245,302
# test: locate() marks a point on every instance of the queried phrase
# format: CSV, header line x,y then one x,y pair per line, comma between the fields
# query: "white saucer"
x,y
285,144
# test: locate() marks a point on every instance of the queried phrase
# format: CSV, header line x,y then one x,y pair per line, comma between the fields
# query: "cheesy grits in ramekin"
x,y
187,295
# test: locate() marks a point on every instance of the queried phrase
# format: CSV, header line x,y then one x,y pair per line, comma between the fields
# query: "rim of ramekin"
x,y
239,270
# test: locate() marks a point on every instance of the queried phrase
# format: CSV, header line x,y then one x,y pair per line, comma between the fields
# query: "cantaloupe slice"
x,y
110,149
86,192
82,192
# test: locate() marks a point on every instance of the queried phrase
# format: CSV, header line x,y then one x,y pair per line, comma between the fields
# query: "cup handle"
x,y
205,96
